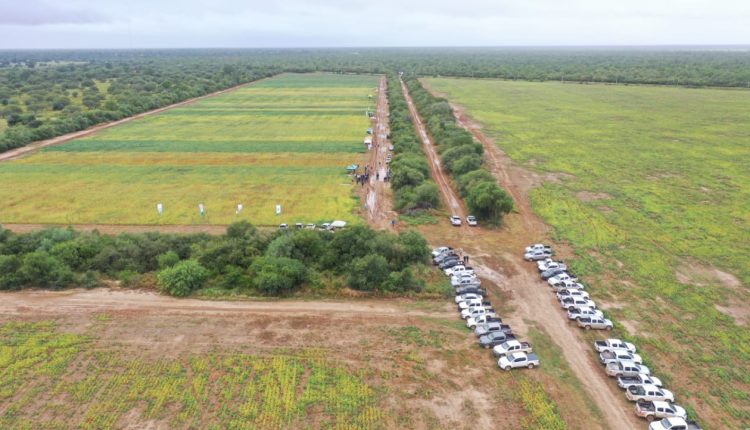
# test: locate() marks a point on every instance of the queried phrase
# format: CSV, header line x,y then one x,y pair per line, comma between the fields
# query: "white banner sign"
x,y
278,209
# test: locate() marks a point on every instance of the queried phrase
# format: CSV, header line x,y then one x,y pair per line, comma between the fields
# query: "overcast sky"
x,y
304,23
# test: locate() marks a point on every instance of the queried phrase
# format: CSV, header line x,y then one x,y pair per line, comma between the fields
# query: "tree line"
x,y
44,94
245,260
461,156
414,189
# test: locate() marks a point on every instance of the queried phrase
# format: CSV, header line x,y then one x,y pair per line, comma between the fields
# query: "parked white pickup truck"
x,y
595,323
612,345
510,347
537,255
469,296
455,270
626,368
564,293
518,359
473,323
567,285
477,311
649,392
577,303
544,264
578,313
658,410
673,424
628,381
607,357
463,279
559,279
538,247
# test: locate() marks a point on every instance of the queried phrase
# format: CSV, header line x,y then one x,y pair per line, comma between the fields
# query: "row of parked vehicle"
x,y
570,292
480,316
652,401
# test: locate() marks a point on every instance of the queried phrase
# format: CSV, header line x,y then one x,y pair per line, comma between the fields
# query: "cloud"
x,y
39,12
295,23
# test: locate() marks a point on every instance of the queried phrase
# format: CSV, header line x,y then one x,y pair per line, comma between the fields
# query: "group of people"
x,y
362,178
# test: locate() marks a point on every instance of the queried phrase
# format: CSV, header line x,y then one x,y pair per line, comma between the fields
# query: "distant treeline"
x,y
48,93
244,260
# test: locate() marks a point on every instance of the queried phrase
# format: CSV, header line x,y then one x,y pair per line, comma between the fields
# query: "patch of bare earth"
x,y
737,304
590,196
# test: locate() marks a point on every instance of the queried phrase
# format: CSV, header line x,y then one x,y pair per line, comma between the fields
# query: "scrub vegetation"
x,y
244,261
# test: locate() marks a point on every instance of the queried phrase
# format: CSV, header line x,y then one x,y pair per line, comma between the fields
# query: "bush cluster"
x,y
244,259
461,156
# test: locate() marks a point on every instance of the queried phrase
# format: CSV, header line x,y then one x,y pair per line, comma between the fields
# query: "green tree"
x,y
489,202
277,275
427,196
368,273
41,269
466,164
168,259
183,278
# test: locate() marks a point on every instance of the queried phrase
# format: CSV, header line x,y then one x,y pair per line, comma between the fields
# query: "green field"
x,y
282,141
656,203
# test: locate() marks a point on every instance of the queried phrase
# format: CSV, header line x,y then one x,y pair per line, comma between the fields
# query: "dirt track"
x,y
376,193
449,195
33,147
496,256
105,299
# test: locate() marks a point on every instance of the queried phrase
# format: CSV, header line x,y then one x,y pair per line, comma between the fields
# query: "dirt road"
x,y
449,194
496,257
33,147
379,205
106,299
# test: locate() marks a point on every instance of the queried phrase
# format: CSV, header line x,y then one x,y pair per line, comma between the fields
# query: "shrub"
x,y
466,164
182,278
277,275
168,259
368,273
469,180
488,201
41,269
403,281
427,196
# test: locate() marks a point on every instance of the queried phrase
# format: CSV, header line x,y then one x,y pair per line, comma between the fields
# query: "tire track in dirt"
x,y
106,299
35,146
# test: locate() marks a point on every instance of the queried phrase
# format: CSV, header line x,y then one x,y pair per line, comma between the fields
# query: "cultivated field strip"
x,y
282,141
